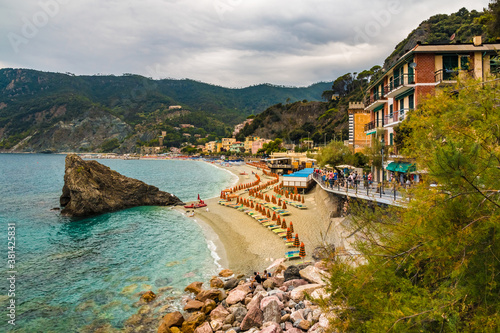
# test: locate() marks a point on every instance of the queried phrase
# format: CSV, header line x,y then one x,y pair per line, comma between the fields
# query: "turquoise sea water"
x,y
71,273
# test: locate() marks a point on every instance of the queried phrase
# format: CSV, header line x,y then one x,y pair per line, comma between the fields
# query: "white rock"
x,y
313,275
298,293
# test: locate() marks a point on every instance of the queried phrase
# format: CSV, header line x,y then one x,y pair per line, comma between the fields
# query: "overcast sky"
x,y
233,43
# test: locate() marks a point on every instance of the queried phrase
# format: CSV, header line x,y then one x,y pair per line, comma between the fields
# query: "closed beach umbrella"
x,y
279,202
291,226
302,199
302,251
268,214
274,216
283,224
278,220
284,205
237,200
288,235
296,242
251,205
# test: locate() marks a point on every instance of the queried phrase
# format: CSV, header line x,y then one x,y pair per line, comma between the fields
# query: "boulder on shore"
x,y
91,188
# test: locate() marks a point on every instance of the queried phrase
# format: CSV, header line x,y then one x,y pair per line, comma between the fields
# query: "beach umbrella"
x,y
291,226
198,197
279,202
278,220
237,200
302,251
268,214
298,197
284,205
295,189
274,216
302,199
296,242
288,235
283,224
251,205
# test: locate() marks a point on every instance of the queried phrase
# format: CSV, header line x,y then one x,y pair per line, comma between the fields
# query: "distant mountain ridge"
x,y
39,109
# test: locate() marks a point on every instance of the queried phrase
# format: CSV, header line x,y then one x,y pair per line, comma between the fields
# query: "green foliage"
x,y
402,135
271,147
30,104
435,265
110,145
335,153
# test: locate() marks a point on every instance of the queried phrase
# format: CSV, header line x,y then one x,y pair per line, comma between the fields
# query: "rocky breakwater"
x,y
91,188
280,304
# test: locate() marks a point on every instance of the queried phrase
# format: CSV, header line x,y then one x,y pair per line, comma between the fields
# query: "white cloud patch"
x,y
227,42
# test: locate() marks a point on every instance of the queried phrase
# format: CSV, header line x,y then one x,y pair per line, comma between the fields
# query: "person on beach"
x,y
256,279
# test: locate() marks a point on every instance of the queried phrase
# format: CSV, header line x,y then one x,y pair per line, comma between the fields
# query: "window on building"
x,y
450,67
397,77
391,110
391,139
411,102
411,74
495,65
465,63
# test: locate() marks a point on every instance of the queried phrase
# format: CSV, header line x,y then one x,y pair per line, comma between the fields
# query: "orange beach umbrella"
x,y
302,251
296,242
291,226
288,235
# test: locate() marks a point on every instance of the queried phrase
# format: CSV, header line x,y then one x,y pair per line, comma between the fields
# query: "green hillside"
x,y
39,107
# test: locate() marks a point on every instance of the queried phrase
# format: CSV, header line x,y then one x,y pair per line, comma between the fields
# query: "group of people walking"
x,y
346,179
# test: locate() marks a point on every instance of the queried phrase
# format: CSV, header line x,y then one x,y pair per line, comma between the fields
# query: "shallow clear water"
x,y
74,272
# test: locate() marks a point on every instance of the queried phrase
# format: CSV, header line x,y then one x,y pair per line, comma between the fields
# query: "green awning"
x,y
406,93
378,108
401,167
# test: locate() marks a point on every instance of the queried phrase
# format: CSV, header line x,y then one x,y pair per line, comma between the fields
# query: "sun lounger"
x,y
273,227
292,252
279,230
292,256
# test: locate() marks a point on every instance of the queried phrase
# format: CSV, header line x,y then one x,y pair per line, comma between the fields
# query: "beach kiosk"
x,y
302,179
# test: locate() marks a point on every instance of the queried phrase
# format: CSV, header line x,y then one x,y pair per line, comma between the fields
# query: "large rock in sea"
x,y
91,188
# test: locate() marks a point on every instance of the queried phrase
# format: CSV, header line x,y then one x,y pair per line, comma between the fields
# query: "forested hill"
x,y
34,103
459,27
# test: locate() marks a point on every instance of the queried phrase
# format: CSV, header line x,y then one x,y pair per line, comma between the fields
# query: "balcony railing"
x,y
451,74
396,117
398,82
370,126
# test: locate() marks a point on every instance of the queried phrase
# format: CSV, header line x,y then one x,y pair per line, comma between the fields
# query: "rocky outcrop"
x,y
91,188
256,310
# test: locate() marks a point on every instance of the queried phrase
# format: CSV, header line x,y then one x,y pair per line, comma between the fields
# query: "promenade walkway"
x,y
389,196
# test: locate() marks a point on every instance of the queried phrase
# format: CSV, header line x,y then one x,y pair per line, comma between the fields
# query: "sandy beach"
x,y
244,245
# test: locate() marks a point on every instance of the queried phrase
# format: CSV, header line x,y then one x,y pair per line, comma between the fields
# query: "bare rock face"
x,y
91,188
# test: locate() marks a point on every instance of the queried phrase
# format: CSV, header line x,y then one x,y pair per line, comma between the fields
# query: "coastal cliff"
x,y
91,188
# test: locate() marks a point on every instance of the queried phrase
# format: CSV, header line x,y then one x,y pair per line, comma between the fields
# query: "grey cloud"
x,y
227,42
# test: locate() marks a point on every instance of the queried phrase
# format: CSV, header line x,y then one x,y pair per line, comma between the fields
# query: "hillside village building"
x,y
358,117
423,70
